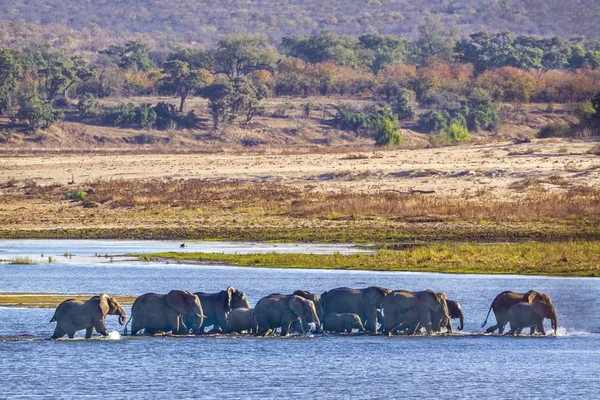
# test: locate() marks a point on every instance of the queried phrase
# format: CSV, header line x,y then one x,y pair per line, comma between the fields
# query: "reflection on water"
x,y
465,365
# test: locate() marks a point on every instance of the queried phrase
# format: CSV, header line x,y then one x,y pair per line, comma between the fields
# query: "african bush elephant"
x,y
217,306
402,308
74,315
317,302
277,310
342,322
454,311
239,320
363,302
523,315
541,304
155,312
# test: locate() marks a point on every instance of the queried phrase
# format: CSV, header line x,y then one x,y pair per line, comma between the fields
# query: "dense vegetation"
x,y
94,25
459,82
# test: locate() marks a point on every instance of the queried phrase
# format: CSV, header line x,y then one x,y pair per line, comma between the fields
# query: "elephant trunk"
x,y
554,321
123,319
462,319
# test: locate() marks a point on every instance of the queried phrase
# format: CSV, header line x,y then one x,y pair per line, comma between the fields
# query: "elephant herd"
x,y
338,310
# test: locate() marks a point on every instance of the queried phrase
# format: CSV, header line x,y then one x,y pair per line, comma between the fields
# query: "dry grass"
x,y
48,300
273,199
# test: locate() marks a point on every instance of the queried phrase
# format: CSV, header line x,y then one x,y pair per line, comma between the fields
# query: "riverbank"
x,y
573,258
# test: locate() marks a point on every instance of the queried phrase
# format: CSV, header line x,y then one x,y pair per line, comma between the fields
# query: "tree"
x,y
10,73
433,40
387,134
404,104
89,106
37,114
384,50
133,55
238,54
181,80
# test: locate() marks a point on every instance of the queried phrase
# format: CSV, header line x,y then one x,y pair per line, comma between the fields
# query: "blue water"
x,y
466,365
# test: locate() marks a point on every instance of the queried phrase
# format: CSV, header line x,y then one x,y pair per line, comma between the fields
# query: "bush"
x,y
453,134
362,121
555,129
167,116
37,114
145,116
387,134
77,195
145,138
434,121
404,104
89,106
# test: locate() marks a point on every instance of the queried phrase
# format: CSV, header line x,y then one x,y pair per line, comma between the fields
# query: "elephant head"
x,y
238,299
432,302
304,309
374,295
543,306
186,303
110,306
357,323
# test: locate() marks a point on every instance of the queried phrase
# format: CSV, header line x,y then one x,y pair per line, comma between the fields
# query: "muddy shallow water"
x,y
464,365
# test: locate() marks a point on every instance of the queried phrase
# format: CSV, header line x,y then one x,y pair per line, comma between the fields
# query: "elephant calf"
x,y
74,315
342,322
239,320
217,306
523,315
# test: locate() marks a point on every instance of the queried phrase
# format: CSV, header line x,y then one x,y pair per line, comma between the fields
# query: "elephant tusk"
x,y
201,316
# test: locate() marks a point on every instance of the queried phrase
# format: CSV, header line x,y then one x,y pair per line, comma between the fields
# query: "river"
x,y
464,365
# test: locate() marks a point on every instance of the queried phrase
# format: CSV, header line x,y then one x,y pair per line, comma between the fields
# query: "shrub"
x,y
89,106
145,116
362,121
387,134
77,195
123,114
555,129
145,138
403,105
434,121
453,134
37,114
167,116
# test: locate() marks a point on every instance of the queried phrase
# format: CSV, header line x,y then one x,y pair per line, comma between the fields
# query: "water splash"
x,y
114,335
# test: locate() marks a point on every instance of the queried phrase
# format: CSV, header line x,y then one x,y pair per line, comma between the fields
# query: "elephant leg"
x,y
372,320
492,328
449,326
135,327
88,332
532,330
68,327
101,328
58,332
540,328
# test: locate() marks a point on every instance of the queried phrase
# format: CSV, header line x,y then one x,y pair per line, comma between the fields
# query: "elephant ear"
x,y
103,304
179,300
429,300
296,303
530,296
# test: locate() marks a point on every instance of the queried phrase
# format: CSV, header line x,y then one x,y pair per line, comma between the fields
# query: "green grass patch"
x,y
572,258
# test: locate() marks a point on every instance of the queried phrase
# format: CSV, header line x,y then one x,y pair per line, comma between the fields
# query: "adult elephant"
x,y
317,302
155,312
439,320
540,302
402,308
217,306
74,315
523,315
278,310
363,302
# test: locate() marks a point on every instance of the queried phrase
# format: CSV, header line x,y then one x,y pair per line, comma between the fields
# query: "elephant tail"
x,y
53,317
127,323
487,316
